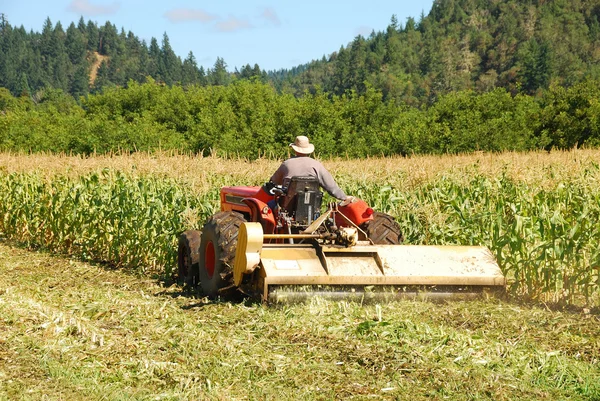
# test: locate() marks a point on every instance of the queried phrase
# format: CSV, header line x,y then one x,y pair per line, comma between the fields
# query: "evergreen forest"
x,y
470,75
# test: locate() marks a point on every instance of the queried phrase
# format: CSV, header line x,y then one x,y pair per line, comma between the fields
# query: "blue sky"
x,y
273,34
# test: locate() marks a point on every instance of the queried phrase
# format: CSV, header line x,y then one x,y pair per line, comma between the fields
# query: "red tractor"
x,y
278,244
290,215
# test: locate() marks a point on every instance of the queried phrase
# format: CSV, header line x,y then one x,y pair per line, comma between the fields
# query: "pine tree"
x,y
202,78
356,65
8,63
219,74
93,37
536,62
108,40
47,53
189,70
170,64
79,84
249,72
136,58
75,45
340,79
61,59
23,88
144,59
154,58
256,71
392,43
102,77
81,26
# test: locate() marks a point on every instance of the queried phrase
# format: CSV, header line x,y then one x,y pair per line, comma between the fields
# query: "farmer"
x,y
302,165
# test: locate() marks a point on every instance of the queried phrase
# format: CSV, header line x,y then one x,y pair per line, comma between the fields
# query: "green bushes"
x,y
251,119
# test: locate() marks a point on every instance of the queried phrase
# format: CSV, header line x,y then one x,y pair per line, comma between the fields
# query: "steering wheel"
x,y
273,189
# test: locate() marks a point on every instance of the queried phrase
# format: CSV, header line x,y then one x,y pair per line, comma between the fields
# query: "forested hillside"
x,y
85,58
522,46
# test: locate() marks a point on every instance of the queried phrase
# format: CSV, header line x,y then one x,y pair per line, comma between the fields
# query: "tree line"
x,y
471,75
86,58
478,45
252,119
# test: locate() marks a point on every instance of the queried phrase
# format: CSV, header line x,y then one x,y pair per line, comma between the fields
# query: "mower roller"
x,y
277,244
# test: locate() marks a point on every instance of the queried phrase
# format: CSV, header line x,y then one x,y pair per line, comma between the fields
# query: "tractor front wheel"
x,y
217,252
383,230
187,257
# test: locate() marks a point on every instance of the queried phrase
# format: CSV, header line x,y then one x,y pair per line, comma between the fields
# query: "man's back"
x,y
305,166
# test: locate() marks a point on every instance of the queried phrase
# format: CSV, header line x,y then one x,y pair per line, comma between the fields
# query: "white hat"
x,y
301,145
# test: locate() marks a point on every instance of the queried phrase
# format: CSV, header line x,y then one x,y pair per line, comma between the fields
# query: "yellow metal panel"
x,y
401,265
247,254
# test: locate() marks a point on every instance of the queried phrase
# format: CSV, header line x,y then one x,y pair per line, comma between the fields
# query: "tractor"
x,y
279,244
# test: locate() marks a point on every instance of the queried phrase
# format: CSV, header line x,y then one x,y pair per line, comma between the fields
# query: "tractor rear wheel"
x,y
217,252
188,256
383,230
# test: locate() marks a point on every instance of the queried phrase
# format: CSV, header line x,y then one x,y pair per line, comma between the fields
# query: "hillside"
x,y
522,46
97,60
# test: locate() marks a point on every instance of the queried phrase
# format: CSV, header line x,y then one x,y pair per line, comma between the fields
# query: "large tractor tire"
x,y
383,230
217,252
188,256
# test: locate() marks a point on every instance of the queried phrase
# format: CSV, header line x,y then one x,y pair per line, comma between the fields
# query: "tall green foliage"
x,y
544,239
570,116
250,119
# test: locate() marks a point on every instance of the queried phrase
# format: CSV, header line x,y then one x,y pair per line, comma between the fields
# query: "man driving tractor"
x,y
303,165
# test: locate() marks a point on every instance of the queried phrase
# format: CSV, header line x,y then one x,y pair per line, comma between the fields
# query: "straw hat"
x,y
301,145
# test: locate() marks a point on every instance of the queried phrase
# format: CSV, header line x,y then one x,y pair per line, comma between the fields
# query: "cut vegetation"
x,y
74,331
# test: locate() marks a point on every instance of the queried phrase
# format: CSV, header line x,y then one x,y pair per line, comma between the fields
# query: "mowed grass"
x,y
73,331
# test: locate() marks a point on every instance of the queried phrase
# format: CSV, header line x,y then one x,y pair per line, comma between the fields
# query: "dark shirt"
x,y
305,166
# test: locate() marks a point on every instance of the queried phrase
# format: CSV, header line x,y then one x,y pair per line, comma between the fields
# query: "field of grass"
x,y
119,329
74,331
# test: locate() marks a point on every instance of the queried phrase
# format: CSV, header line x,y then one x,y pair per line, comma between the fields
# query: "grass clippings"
x,y
73,331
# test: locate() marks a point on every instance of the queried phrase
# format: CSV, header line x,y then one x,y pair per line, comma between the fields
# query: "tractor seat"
x,y
302,199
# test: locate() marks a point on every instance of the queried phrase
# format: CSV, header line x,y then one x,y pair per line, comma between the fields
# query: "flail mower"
x,y
277,244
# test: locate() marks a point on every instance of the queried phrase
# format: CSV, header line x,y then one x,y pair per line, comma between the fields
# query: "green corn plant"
x,y
545,239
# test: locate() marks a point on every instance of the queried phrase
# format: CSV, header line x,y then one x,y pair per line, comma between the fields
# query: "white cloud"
x,y
363,31
188,14
232,24
270,16
84,7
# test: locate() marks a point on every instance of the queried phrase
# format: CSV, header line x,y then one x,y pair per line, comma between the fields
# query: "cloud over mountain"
x,y
188,14
232,24
270,16
84,7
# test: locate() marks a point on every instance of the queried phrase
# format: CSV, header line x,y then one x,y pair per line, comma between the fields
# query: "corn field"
x,y
540,219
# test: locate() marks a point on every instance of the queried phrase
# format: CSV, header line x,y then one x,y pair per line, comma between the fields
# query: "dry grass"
x,y
97,60
536,168
78,332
